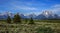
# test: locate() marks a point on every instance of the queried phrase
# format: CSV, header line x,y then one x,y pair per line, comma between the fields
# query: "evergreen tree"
x,y
8,19
26,20
17,18
31,21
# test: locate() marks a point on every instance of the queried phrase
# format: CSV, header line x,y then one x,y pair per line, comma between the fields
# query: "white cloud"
x,y
16,7
55,8
27,8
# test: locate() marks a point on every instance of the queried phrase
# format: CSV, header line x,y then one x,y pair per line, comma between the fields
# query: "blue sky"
x,y
29,6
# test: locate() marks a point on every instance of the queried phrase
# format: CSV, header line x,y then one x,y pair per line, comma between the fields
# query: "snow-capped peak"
x,y
47,12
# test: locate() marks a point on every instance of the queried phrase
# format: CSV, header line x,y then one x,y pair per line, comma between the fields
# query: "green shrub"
x,y
31,21
17,18
8,19
45,30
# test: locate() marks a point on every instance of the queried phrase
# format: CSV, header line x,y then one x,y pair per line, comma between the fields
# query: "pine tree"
x,y
26,20
17,18
8,19
31,21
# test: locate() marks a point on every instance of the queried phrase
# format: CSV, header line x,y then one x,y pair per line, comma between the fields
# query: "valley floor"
x,y
27,28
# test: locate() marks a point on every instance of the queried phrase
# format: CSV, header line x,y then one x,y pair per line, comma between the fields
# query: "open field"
x,y
52,21
27,28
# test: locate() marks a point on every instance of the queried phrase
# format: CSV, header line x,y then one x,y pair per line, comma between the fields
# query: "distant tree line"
x,y
17,19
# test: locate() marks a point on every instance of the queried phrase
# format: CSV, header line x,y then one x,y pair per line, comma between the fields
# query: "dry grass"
x,y
27,28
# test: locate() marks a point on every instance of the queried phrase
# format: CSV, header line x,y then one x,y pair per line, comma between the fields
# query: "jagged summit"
x,y
32,15
43,15
47,13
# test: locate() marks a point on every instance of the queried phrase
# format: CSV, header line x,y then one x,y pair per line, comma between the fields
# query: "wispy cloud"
x,y
17,5
55,8
28,6
25,8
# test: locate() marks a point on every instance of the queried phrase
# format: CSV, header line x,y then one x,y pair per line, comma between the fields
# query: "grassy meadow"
x,y
39,26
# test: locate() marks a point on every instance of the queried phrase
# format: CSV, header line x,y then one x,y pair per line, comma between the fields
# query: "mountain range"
x,y
44,15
